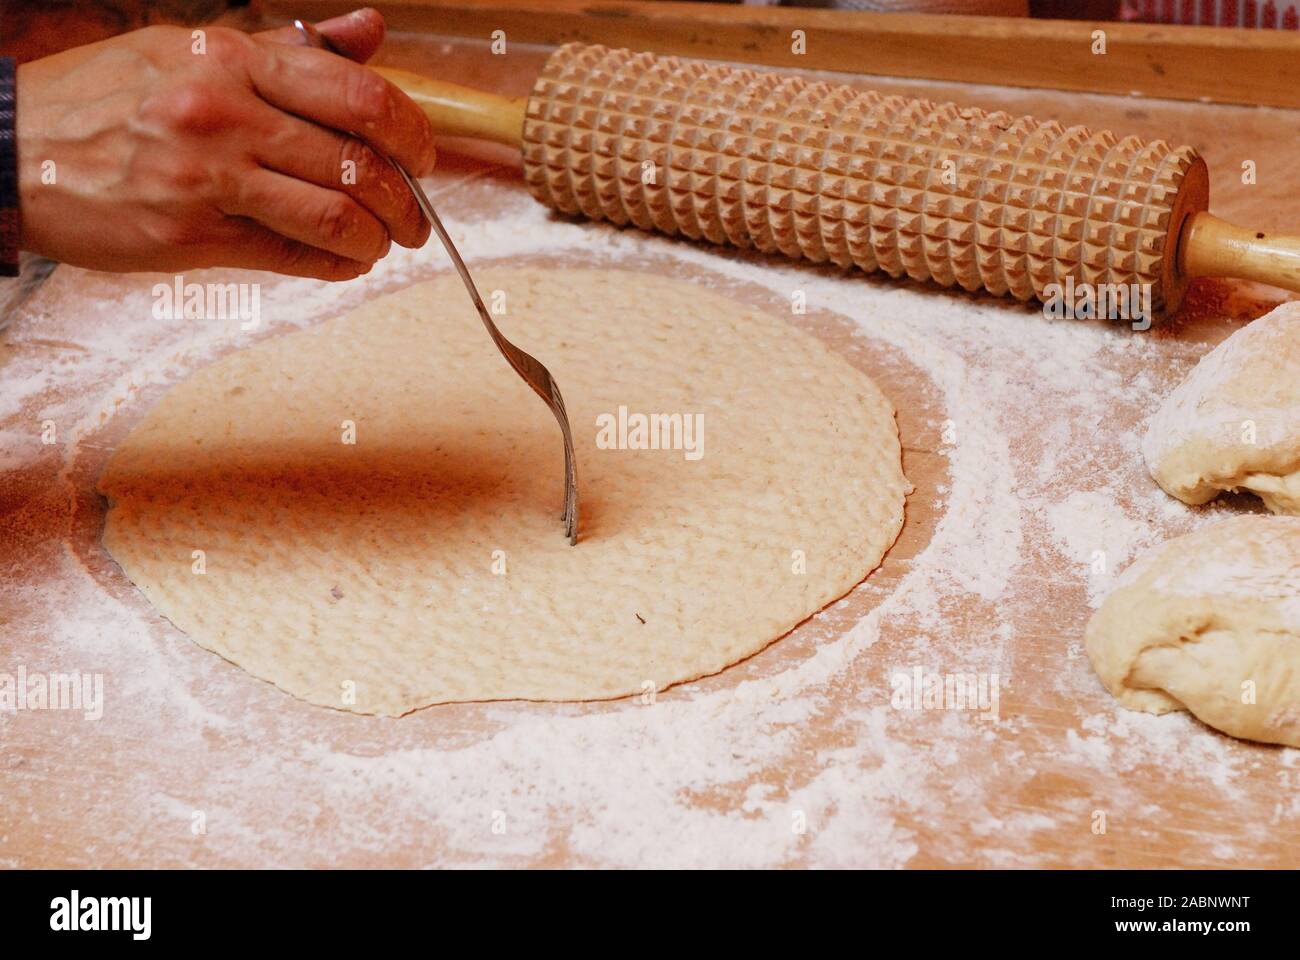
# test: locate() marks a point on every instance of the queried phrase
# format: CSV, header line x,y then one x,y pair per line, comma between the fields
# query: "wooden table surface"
x,y
188,739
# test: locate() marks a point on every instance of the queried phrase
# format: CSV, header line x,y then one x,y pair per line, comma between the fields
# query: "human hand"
x,y
143,153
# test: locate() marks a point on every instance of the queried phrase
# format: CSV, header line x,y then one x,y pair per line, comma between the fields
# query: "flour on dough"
x,y
1210,622
1234,423
425,562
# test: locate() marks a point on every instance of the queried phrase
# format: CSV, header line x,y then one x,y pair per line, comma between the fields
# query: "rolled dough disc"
x,y
425,562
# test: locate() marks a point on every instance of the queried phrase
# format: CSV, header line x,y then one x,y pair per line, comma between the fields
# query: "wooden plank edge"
x,y
1215,64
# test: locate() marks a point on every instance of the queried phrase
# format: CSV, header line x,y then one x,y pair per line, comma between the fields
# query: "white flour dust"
x,y
1096,536
796,760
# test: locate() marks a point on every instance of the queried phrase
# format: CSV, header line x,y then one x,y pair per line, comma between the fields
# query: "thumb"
x,y
356,35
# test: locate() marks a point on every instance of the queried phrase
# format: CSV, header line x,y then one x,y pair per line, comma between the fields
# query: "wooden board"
x,y
1188,63
715,772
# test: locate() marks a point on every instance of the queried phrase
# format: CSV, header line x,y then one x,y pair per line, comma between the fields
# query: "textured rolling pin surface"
x,y
829,172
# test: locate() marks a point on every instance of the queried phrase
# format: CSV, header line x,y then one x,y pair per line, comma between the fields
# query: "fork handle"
x,y
457,111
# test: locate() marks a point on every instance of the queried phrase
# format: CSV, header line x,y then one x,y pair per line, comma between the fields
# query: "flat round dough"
x,y
1234,423
426,562
1210,622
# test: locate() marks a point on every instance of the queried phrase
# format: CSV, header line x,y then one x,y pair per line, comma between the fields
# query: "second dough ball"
x,y
1234,423
1210,622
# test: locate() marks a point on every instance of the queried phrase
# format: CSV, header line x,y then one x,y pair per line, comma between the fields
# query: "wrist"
x,y
37,178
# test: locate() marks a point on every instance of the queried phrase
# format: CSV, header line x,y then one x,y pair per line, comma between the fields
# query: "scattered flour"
x,y
1097,536
790,760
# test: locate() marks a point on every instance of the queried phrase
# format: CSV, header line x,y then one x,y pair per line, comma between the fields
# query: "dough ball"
x,y
1234,423
375,501
1210,622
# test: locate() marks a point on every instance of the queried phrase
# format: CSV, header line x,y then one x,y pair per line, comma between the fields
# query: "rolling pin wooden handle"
x,y
457,111
1211,247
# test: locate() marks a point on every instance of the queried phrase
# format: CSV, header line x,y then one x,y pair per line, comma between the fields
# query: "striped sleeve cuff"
x,y
8,169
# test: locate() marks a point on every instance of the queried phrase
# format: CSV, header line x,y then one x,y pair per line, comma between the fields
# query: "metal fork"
x,y
528,367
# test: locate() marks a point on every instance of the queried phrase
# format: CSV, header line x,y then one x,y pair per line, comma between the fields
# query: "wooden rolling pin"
x,y
831,173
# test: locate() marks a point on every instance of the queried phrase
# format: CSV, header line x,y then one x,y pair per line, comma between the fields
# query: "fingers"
x,y
324,88
356,35
325,219
257,248
343,163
